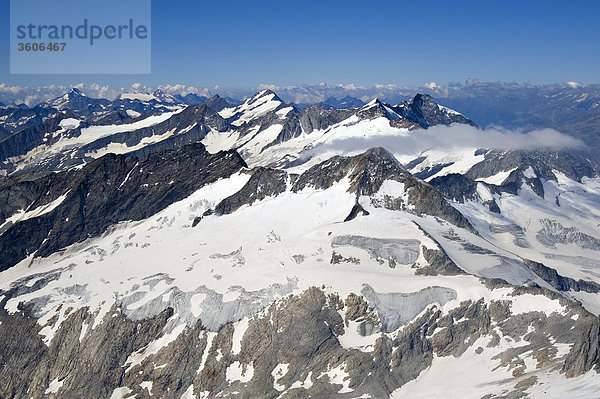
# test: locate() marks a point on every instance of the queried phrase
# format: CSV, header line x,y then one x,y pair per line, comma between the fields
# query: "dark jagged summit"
x,y
217,103
423,109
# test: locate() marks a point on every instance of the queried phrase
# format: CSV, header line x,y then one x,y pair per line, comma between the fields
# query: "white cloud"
x,y
452,138
263,86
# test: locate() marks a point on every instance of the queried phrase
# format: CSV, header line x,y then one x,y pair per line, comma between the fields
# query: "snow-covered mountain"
x,y
262,250
137,122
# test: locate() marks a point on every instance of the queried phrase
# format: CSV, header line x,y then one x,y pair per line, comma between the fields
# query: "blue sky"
x,y
246,43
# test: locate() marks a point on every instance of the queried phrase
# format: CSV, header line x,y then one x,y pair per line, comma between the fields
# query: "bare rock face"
x,y
217,103
89,368
456,187
439,263
186,127
290,349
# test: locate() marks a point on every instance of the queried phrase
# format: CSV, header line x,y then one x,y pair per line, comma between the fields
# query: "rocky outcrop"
x,y
264,183
19,117
459,188
186,127
455,187
559,282
357,210
438,263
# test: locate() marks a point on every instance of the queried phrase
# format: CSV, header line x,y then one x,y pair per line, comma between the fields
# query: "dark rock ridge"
x,y
17,118
194,121
366,172
438,263
254,101
559,282
106,191
79,103
529,168
217,103
101,111
357,210
420,112
456,187
310,119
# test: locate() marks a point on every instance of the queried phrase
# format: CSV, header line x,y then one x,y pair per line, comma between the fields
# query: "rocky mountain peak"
x,y
75,101
265,95
371,168
217,103
163,97
423,109
377,109
366,171
373,102
421,100
75,92
378,157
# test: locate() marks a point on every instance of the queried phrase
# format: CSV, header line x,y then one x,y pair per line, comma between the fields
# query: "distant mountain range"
x,y
571,108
